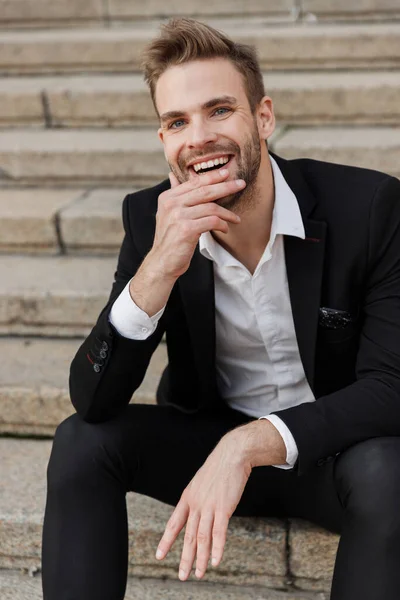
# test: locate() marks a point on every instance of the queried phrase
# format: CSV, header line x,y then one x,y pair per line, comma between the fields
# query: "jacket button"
x,y
321,462
96,368
103,353
104,346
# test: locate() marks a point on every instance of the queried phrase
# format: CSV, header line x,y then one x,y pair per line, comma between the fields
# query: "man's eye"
x,y
175,124
224,110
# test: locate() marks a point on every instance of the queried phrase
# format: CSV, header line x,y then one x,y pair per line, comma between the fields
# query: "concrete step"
x,y
102,100
71,13
121,158
17,585
356,9
121,100
293,46
81,157
34,392
51,221
258,552
23,13
371,147
56,296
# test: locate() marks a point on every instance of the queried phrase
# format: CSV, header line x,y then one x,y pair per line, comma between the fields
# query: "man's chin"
x,y
230,202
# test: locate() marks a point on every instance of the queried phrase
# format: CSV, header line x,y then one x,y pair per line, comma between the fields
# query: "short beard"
x,y
248,160
248,168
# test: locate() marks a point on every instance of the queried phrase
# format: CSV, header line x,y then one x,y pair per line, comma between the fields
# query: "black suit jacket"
x,y
349,261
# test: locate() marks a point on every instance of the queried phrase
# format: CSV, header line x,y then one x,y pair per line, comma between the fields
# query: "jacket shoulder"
x,y
339,177
139,211
343,189
145,201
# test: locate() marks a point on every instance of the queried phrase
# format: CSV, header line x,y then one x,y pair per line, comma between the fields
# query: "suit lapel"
x,y
304,267
198,298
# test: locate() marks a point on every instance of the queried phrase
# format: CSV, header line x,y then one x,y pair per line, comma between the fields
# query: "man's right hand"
x,y
185,212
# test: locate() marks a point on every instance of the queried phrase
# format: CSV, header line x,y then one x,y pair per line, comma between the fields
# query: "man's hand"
x,y
210,499
206,506
187,210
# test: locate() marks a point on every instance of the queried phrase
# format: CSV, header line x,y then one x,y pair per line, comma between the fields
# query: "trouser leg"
x,y
153,450
357,495
368,559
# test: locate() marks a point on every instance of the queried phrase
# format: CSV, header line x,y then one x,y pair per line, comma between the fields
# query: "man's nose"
x,y
200,134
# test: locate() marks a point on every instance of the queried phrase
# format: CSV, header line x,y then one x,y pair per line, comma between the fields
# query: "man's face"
x,y
205,115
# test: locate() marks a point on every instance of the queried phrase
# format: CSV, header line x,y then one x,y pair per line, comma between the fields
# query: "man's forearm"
x,y
260,444
150,288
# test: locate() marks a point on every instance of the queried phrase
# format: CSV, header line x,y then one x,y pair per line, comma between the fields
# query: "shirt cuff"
x,y
291,446
131,321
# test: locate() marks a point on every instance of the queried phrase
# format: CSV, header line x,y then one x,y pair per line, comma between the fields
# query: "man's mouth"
x,y
210,165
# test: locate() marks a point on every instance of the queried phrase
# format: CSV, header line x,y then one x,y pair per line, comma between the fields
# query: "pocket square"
x,y
333,318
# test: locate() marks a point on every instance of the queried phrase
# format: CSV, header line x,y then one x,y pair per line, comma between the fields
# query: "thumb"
x,y
174,181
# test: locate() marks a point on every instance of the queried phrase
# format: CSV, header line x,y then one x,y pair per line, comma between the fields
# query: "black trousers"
x,y
156,450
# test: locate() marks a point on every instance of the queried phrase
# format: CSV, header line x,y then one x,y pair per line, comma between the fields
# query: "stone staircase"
x,y
77,132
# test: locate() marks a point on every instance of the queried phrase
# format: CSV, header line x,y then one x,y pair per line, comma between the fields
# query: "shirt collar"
x,y
286,219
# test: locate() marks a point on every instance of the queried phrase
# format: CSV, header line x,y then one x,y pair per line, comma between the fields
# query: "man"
x,y
277,284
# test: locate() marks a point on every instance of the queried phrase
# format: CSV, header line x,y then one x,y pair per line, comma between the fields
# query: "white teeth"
x,y
211,163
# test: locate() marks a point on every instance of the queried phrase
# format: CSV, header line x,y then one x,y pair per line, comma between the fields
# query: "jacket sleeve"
x,y
108,368
369,407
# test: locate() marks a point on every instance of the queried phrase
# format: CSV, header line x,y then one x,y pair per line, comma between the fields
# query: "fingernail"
x,y
199,573
240,182
159,554
214,562
182,574
223,171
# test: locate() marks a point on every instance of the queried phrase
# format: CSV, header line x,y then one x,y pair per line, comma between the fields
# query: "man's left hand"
x,y
206,505
210,499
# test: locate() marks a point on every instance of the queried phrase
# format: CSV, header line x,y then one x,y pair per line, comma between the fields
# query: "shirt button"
x,y
144,329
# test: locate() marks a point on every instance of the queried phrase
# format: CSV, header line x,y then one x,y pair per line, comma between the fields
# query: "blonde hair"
x,y
183,40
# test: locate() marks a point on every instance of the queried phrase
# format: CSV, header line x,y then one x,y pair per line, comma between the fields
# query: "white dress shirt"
x,y
258,364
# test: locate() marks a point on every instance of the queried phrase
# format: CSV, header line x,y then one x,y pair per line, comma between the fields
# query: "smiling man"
x,y
277,284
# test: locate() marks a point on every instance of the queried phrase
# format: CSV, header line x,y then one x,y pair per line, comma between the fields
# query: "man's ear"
x,y
265,118
160,134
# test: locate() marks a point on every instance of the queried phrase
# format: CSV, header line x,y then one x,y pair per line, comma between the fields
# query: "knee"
x,y
367,477
79,451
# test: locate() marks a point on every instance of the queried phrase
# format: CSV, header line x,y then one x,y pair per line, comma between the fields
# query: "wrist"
x,y
149,288
260,444
154,268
